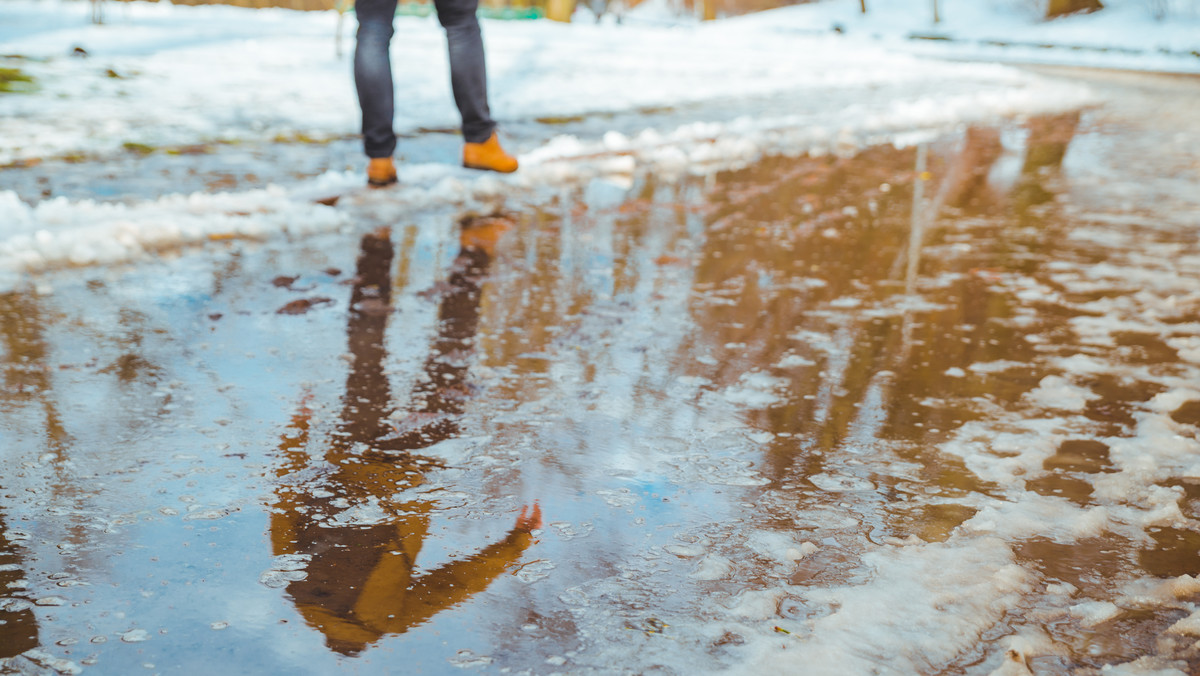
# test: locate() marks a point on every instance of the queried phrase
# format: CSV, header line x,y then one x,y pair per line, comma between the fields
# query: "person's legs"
x,y
373,75
468,78
468,72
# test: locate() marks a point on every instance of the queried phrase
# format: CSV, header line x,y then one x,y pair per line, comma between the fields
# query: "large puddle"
x,y
775,420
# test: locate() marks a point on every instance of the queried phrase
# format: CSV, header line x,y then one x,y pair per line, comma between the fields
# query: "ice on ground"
x,y
1055,392
60,232
1144,666
712,567
756,390
938,600
368,513
1092,613
56,664
684,551
1047,517
779,548
135,636
758,605
794,361
287,568
1007,457
840,482
1188,347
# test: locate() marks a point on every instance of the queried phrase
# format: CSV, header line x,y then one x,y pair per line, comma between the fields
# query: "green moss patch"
x,y
16,81
138,148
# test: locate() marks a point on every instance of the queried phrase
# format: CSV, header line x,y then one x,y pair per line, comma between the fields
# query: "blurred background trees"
x,y
563,10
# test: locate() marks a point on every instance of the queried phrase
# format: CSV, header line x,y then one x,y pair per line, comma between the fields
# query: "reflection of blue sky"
x,y
606,459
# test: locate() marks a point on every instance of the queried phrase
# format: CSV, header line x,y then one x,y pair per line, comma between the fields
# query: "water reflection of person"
x,y
27,386
18,624
360,581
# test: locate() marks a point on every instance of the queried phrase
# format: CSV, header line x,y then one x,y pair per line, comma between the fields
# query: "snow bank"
x,y
925,606
59,232
1125,35
159,75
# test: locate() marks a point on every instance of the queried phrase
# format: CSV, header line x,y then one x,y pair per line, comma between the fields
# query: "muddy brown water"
x,y
525,443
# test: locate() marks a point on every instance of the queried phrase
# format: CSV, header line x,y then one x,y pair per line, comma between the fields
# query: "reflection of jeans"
x,y
373,71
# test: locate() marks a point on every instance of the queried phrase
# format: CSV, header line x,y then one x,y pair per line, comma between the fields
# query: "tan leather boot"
x,y
488,156
381,172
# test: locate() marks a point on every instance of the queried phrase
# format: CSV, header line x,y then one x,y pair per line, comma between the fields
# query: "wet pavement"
x,y
786,419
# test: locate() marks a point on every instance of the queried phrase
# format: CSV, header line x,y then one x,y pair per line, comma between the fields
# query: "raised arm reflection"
x,y
335,507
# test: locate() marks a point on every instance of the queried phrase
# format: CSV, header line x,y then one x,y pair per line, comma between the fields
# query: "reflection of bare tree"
x,y
792,237
1049,137
963,188
361,583
965,184
844,241
766,278
28,396
26,371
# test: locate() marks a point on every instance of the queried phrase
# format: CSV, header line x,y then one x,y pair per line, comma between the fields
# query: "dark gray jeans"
x,y
373,71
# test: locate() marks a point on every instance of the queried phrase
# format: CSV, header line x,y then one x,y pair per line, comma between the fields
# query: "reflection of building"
x,y
360,581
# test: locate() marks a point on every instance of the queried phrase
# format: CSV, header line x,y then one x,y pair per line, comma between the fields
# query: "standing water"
x,y
917,410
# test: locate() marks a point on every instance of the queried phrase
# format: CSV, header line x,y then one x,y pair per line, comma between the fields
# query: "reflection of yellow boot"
x,y
381,172
488,155
484,233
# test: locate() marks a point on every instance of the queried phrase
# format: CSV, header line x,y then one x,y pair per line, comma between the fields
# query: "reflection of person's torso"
x,y
18,624
353,567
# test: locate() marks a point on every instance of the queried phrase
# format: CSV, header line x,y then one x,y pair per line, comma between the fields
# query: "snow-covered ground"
x,y
160,76
1158,35
655,355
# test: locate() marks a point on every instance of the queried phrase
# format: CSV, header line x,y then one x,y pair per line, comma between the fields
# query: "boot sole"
x,y
483,168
